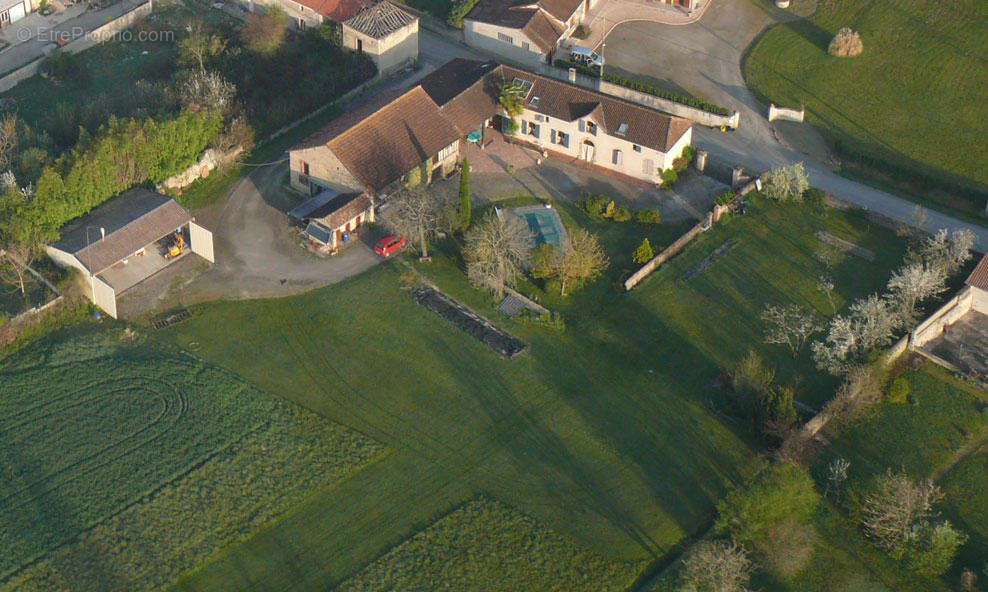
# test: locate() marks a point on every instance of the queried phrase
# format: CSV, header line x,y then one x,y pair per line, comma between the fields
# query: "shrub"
x,y
513,127
653,216
669,178
63,66
934,548
582,68
783,492
621,214
458,11
680,164
643,254
689,153
845,44
648,89
899,391
788,183
596,205
264,34
751,376
581,31
725,198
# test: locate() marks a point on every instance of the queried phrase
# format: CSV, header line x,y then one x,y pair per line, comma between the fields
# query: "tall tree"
x,y
896,506
716,566
463,221
415,214
199,46
582,259
495,251
789,325
511,99
8,140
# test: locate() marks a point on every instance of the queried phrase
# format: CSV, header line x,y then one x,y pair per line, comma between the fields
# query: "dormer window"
x,y
622,129
534,102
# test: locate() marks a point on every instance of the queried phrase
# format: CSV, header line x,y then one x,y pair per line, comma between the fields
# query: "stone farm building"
x,y
388,34
408,135
126,240
522,30
330,219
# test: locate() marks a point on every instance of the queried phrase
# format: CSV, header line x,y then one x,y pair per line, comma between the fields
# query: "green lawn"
x,y
915,98
124,464
945,426
610,433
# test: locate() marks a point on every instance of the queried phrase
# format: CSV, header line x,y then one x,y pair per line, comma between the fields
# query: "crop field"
x,y
914,98
464,549
114,450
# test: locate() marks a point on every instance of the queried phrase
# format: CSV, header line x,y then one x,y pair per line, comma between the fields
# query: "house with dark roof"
x,y
389,35
408,135
527,31
126,240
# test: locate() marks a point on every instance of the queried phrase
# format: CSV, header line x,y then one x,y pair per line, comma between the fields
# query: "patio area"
x,y
963,346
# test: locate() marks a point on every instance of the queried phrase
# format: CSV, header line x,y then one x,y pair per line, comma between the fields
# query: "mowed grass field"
x,y
124,464
942,436
610,433
915,97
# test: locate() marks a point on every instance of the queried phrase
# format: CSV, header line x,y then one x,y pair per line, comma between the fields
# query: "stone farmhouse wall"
x,y
521,49
391,53
785,114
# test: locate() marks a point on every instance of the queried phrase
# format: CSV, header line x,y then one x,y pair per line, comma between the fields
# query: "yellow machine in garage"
x,y
177,247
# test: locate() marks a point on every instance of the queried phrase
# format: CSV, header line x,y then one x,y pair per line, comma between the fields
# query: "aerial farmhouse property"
x,y
407,136
127,240
331,219
523,30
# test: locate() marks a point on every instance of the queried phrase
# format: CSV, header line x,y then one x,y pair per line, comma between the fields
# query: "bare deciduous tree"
x,y
788,182
897,505
8,140
581,259
837,476
495,251
418,215
789,325
828,286
199,46
846,43
264,34
716,566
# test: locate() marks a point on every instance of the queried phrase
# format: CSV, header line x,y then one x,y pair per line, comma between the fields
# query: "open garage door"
x,y
201,242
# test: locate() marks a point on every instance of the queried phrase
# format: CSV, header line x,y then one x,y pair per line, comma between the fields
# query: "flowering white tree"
x,y
789,325
911,285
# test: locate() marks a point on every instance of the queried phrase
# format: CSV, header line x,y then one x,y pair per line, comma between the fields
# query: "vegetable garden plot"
x,y
469,322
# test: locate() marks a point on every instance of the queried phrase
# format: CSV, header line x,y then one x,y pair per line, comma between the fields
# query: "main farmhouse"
x,y
409,135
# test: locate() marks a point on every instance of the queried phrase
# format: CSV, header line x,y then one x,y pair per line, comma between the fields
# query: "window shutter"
x,y
616,157
583,126
552,136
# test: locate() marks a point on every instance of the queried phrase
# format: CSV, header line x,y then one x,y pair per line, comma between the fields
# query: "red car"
x,y
390,245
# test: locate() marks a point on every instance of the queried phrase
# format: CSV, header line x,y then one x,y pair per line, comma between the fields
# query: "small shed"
x,y
331,219
389,35
128,239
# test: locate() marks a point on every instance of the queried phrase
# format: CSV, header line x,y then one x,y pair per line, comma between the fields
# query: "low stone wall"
x,y
672,250
785,114
102,33
947,315
211,159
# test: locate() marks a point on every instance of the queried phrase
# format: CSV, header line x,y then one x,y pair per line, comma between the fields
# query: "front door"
x,y
587,151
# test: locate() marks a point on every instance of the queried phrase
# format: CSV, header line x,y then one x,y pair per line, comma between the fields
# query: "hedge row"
x,y
125,153
646,88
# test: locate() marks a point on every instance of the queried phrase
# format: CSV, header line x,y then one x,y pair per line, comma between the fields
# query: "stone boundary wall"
x,y
947,315
101,33
680,243
210,160
785,114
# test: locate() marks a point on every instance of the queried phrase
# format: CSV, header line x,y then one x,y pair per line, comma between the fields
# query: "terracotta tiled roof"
x,y
979,277
380,20
459,88
513,14
337,10
391,140
542,31
561,9
642,125
348,210
131,221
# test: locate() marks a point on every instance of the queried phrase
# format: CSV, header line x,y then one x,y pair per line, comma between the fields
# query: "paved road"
x,y
704,58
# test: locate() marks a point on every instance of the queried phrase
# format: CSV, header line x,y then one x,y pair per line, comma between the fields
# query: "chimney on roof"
x,y
102,233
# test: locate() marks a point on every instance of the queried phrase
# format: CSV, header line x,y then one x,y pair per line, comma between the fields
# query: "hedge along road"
x,y
705,58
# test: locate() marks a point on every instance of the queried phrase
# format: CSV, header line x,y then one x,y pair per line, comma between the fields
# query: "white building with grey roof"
x,y
389,35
